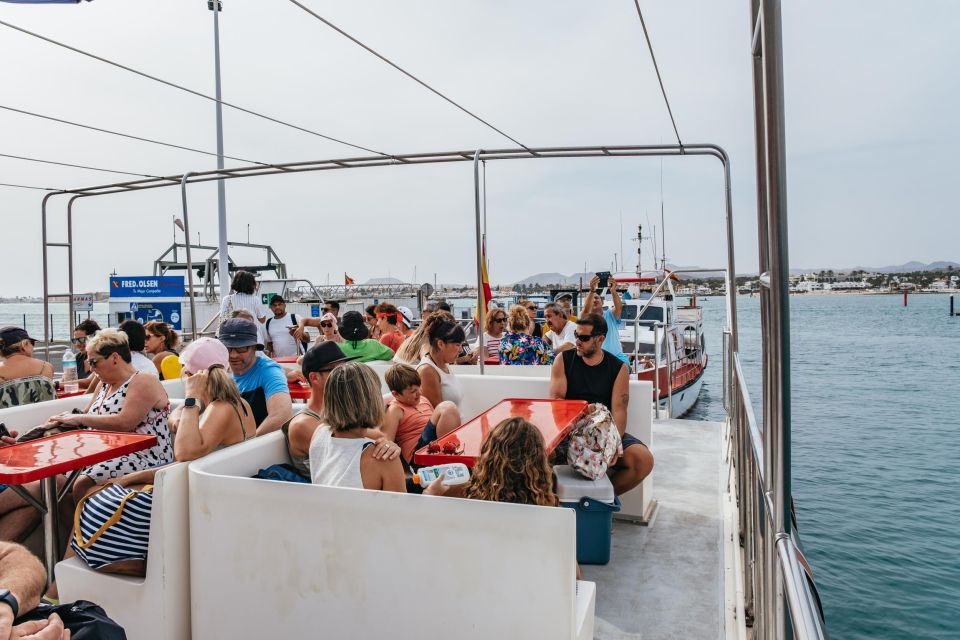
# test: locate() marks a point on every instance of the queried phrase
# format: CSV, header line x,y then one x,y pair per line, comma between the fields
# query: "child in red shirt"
x,y
410,415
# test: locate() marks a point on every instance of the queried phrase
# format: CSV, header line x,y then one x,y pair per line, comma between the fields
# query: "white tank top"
x,y
336,461
450,388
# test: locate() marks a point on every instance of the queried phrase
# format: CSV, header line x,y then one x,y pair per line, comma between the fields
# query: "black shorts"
x,y
628,441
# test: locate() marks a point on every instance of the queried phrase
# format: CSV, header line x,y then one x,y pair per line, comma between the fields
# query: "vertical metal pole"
x,y
186,232
46,276
70,321
656,371
481,311
668,350
51,537
224,258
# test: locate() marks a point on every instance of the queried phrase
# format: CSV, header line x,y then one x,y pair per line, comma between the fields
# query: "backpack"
x,y
28,390
594,442
304,344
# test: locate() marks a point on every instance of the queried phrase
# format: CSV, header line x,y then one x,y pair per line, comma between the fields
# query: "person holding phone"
x,y
594,304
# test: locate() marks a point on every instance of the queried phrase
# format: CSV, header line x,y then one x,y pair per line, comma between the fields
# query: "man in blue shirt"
x,y
594,304
262,381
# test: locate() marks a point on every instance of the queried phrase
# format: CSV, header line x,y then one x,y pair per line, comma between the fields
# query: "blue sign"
x,y
146,287
169,312
314,311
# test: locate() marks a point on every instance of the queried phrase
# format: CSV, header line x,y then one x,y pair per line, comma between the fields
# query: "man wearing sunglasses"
x,y
592,374
83,331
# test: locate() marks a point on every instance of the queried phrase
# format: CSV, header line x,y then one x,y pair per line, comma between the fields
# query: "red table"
x,y
286,359
71,394
46,458
298,391
554,419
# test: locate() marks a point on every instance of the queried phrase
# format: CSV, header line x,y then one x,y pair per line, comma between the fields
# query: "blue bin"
x,y
595,504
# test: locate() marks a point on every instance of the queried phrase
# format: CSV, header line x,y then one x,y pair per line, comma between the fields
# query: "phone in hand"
x,y
604,279
4,432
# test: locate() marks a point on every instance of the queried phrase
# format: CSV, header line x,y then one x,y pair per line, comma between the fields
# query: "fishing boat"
x,y
717,556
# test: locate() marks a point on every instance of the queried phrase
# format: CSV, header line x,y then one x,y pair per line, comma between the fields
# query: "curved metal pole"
x,y
186,232
70,324
481,308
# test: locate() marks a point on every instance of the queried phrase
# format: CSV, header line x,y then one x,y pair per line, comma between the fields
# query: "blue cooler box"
x,y
595,503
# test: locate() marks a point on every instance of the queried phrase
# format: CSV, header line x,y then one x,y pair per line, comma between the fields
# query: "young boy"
x,y
409,413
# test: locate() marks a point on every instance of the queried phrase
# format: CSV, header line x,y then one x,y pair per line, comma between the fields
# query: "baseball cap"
x,y
329,317
204,353
406,315
239,332
276,298
563,294
323,357
13,335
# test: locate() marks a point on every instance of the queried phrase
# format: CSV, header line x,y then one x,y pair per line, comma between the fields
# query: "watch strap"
x,y
10,599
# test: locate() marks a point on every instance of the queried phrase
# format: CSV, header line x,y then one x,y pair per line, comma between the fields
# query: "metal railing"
x,y
773,574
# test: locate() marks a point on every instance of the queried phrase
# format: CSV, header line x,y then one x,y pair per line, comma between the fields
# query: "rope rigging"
x,y
79,166
656,68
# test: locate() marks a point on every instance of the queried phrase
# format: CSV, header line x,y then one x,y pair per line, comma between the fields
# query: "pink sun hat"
x,y
204,353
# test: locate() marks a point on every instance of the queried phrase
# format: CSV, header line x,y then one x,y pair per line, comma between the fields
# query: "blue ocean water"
x,y
876,418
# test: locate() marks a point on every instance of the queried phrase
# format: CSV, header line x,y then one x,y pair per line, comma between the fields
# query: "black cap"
x,y
276,298
353,327
238,332
12,335
323,357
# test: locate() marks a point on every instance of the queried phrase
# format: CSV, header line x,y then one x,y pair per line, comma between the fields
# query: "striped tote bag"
x,y
112,525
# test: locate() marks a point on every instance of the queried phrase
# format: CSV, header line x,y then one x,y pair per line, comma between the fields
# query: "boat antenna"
x,y
621,242
639,246
663,226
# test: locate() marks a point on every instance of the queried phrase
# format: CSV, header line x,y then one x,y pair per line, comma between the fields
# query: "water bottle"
x,y
453,473
69,381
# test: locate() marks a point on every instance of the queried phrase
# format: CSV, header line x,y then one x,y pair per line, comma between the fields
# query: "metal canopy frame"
x,y
429,158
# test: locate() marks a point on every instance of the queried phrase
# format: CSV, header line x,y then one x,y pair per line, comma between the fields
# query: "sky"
x,y
871,93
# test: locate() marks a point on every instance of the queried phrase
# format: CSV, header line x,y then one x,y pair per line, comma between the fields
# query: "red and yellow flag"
x,y
347,280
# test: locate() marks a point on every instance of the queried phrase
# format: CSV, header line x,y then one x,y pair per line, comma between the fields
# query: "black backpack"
x,y
304,344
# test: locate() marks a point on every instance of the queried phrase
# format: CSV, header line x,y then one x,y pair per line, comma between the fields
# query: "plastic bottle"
x,y
453,473
69,381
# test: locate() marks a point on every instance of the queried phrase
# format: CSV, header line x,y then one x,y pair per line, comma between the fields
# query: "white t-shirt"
x,y
566,336
246,301
141,362
283,342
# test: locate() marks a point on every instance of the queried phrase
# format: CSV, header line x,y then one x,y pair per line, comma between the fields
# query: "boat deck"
x,y
667,580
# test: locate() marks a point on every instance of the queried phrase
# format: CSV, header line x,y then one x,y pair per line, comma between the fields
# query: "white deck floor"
x,y
667,580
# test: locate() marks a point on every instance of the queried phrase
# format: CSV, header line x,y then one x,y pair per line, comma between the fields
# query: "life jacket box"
x,y
595,504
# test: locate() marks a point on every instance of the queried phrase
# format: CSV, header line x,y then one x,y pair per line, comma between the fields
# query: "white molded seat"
x,y
299,560
156,607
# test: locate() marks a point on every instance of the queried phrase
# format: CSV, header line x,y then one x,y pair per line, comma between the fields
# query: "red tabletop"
x,y
298,391
286,359
554,419
64,394
45,457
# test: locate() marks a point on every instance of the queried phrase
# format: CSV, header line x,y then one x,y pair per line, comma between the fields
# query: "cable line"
x,y
657,69
79,166
405,72
187,89
127,135
23,186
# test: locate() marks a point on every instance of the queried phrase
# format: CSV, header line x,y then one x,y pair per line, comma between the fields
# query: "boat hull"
x,y
684,397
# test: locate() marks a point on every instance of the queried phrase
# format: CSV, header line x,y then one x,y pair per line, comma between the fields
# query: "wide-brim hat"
x,y
237,333
353,328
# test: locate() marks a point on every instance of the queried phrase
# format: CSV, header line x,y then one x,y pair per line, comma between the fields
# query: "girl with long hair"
x,y
513,467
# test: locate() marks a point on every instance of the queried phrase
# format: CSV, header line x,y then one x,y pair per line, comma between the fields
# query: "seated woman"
x,y
409,413
341,451
23,378
214,416
494,324
418,344
128,401
517,345
161,342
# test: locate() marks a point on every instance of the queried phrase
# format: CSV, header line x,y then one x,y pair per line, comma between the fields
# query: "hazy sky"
x,y
872,95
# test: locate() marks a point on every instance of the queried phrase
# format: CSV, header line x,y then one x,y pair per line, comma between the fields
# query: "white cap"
x,y
407,316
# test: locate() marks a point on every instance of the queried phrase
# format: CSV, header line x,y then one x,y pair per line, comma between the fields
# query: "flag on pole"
x,y
347,280
485,295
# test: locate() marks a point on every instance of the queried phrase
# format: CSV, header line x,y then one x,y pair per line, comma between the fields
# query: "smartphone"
x,y
604,279
4,432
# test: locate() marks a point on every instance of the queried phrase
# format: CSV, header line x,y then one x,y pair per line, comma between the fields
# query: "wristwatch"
x,y
10,599
190,402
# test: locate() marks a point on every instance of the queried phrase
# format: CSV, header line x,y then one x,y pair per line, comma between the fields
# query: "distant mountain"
x,y
383,281
907,267
556,279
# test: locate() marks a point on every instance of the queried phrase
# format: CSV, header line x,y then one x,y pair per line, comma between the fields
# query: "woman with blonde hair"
x,y
418,344
341,451
161,342
494,325
517,345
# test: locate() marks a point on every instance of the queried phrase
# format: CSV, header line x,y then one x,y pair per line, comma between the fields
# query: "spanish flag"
x,y
347,280
485,295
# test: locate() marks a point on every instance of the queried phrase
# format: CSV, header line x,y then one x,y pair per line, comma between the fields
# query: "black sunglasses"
x,y
326,325
584,337
499,320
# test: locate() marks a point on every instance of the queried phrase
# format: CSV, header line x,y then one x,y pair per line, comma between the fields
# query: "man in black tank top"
x,y
590,373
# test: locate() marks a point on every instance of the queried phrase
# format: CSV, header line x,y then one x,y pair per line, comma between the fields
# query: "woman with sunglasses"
x,y
81,333
495,326
161,341
128,401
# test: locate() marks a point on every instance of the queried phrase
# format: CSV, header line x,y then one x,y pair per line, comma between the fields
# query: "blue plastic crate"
x,y
594,528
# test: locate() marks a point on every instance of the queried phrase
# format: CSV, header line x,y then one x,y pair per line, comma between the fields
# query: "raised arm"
x,y
587,305
302,324
617,301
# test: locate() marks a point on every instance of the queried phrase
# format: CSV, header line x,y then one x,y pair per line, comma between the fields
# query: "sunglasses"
x,y
532,308
78,340
499,320
584,337
326,325
240,350
93,362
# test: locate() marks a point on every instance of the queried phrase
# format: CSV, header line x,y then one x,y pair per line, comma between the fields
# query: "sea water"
x,y
876,420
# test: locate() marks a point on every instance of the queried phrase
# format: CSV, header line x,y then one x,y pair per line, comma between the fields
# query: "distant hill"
x,y
383,281
907,267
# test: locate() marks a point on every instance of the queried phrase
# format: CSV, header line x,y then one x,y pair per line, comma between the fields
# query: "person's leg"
x,y
634,465
446,418
82,487
18,519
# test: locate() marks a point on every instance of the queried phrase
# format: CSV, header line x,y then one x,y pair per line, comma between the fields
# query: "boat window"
x,y
652,313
